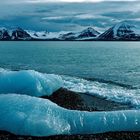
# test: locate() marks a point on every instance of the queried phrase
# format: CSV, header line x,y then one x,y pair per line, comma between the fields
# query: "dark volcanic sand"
x,y
83,102
106,136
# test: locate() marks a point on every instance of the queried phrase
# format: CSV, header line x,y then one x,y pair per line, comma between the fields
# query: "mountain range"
x,y
123,31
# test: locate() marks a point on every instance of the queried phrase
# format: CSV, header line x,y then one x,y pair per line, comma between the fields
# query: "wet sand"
x,y
84,102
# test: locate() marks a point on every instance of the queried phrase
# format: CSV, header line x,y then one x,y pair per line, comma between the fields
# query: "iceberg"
x,y
29,82
26,115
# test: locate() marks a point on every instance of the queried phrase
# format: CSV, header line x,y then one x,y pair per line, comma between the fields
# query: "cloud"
x,y
54,16
42,1
123,15
63,1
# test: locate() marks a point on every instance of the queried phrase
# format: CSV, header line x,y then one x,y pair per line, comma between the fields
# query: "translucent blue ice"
x,y
29,82
26,115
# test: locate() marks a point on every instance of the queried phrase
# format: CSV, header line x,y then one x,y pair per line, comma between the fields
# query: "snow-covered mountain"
x,y
20,34
121,31
44,35
89,33
14,34
86,34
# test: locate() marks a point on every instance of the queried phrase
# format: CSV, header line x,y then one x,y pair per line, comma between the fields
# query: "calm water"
x,y
110,61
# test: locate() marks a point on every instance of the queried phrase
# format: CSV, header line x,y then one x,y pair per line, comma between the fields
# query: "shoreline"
x,y
83,102
105,136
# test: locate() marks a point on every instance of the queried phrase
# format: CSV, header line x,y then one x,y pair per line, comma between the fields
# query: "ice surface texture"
x,y
28,82
33,83
26,115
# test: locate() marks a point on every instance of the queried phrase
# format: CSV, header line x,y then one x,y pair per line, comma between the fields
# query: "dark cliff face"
x,y
20,34
4,35
107,35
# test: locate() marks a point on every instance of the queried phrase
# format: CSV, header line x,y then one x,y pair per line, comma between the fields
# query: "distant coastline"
x,y
123,31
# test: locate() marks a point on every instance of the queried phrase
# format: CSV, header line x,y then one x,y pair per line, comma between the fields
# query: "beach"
x,y
83,102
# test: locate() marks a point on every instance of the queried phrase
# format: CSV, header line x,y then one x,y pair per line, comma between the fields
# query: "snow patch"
x,y
45,35
125,28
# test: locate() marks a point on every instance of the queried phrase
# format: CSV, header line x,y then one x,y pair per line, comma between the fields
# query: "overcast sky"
x,y
67,15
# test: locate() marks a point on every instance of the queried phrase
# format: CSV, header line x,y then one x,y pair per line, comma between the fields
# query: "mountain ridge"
x,y
123,31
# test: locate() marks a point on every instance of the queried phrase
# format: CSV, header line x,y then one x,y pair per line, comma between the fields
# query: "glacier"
x,y
29,82
33,116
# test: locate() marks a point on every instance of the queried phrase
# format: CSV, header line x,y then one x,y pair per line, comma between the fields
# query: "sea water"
x,y
106,69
